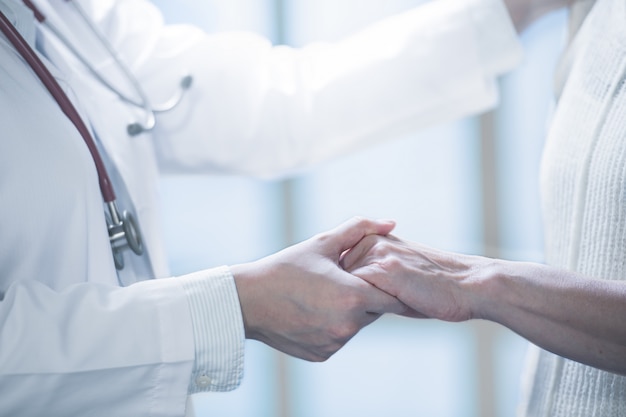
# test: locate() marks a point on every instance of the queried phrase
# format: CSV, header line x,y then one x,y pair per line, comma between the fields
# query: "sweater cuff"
x,y
218,330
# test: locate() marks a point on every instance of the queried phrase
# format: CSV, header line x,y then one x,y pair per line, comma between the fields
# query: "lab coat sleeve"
x,y
264,110
218,329
107,351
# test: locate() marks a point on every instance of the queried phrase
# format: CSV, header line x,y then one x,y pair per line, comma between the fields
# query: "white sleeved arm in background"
x,y
265,110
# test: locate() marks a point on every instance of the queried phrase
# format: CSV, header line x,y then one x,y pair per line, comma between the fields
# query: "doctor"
x,y
80,332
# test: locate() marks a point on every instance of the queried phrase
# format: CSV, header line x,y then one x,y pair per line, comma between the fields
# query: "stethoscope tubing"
x,y
143,102
41,18
122,228
51,84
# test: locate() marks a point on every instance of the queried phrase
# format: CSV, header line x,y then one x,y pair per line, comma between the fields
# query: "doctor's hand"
x,y
432,283
301,302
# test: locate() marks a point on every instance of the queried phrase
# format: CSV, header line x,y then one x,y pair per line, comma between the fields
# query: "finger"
x,y
400,308
414,314
380,302
370,318
393,238
356,257
351,232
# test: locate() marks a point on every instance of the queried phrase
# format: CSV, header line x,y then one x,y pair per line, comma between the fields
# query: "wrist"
x,y
245,283
488,288
504,290
256,286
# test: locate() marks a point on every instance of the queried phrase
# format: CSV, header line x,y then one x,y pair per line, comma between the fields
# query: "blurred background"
x,y
470,186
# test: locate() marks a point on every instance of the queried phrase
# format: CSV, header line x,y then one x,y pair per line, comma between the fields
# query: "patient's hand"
x,y
433,283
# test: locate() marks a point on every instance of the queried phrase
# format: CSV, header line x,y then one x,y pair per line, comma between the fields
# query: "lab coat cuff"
x,y
218,330
499,47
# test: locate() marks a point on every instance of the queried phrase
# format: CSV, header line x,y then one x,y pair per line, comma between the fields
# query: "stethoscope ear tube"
x,y
141,100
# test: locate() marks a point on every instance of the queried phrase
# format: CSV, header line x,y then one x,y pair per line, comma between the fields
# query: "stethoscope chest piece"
x,y
123,233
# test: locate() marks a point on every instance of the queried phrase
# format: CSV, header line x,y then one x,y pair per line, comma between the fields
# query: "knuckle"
x,y
360,221
323,236
328,353
391,263
382,246
324,352
318,357
342,332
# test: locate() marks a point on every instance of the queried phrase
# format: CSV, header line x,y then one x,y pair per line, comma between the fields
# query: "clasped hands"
x,y
311,298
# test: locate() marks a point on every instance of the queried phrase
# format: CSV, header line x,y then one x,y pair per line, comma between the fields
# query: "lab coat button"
x,y
203,381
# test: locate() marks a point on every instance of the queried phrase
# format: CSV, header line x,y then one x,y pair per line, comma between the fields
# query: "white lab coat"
x,y
72,341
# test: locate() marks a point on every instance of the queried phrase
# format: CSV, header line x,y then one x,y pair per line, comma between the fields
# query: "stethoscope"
x,y
135,128
122,227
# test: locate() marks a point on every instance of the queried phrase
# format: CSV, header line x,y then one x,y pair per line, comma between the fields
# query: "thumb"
x,y
354,230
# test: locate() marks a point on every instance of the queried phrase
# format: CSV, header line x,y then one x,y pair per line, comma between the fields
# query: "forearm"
x,y
269,110
95,350
574,316
561,311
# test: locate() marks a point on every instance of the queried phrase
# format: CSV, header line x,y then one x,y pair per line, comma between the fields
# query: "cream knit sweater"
x,y
584,202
